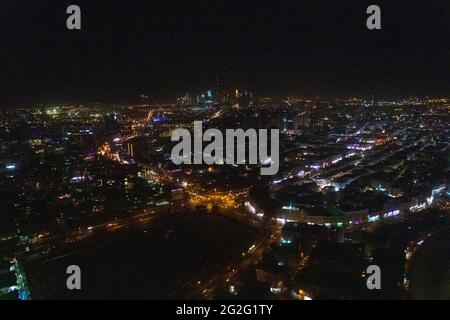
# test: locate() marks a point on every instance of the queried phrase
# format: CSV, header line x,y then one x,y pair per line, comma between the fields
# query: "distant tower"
x,y
218,95
243,100
340,237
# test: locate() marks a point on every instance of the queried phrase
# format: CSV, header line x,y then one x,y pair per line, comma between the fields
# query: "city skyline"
x,y
165,49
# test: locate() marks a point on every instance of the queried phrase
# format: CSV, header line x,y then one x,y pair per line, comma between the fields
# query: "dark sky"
x,y
165,48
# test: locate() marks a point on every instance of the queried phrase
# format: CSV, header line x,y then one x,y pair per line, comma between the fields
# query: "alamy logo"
x,y
73,22
74,279
373,22
374,280
213,152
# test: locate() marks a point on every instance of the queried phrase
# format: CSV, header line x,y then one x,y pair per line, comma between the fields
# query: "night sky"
x,y
165,48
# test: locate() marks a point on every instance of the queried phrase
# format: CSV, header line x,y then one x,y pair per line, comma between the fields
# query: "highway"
x,y
52,241
204,285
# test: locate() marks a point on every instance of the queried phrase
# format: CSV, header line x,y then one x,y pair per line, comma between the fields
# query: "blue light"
x,y
159,118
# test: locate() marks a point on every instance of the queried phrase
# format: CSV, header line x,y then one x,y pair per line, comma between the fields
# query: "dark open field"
x,y
143,265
